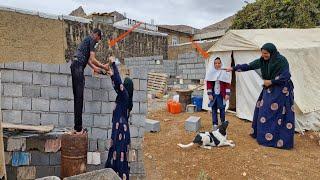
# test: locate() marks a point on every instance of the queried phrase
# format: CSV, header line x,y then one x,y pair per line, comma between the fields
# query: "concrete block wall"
x,y
189,66
41,94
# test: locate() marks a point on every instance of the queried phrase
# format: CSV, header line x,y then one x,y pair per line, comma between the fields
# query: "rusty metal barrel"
x,y
184,98
74,148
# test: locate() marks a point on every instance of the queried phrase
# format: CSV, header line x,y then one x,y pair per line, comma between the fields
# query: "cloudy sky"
x,y
196,13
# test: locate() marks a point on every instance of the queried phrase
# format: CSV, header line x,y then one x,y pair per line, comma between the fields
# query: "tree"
x,y
264,14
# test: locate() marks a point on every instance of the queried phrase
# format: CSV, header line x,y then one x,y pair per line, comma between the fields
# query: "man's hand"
x,y
227,97
106,67
267,83
96,70
229,69
210,97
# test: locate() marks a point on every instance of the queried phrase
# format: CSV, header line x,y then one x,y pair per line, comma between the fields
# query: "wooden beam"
x,y
2,161
40,129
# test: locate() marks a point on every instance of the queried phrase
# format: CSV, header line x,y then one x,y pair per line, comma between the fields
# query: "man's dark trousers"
x,y
77,72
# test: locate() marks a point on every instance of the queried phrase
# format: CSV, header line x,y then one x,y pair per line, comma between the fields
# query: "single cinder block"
x,y
99,133
100,95
102,145
66,120
49,92
12,90
41,78
30,91
137,168
35,143
39,158
21,103
134,132
92,107
6,103
59,80
40,104
139,96
101,120
32,66
136,84
14,65
136,143
58,105
135,108
138,120
20,159
141,132
87,94
55,158
87,120
93,145
51,68
107,107
112,95
22,77
6,76
152,125
11,116
93,158
143,108
143,85
30,118
52,145
106,84
87,71
49,118
65,93
92,82
7,157
70,105
16,144
65,68
26,172
192,123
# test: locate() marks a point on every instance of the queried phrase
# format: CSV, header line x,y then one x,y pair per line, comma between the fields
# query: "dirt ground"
x,y
165,160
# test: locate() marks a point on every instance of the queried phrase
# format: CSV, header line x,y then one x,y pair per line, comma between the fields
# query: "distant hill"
x,y
79,12
221,25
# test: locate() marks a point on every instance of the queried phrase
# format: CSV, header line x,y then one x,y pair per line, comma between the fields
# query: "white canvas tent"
x,y
301,47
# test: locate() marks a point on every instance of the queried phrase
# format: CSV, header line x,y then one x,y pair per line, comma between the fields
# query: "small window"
x,y
175,40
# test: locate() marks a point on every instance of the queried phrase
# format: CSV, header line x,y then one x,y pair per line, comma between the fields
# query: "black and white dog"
x,y
210,139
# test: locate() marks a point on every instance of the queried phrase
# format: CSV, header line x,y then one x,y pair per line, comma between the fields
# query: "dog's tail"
x,y
185,145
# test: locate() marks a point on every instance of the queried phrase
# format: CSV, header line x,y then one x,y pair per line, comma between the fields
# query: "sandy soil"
x,y
165,160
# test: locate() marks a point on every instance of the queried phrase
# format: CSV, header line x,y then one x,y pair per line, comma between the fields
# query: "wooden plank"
x,y
157,74
41,129
2,160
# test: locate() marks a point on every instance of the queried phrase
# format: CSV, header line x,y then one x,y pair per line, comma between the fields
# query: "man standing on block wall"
x,y
84,55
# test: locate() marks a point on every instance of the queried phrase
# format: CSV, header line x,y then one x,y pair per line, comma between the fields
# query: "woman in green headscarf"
x,y
274,119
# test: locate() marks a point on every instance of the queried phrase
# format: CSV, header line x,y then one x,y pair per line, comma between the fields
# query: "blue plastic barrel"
x,y
197,101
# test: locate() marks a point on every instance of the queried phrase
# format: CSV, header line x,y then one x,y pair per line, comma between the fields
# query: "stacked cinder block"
x,y
32,156
40,94
191,66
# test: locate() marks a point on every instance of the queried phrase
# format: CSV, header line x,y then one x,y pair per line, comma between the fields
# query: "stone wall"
x,y
41,94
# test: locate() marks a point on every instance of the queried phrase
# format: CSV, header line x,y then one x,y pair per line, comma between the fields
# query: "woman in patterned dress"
x,y
274,119
120,136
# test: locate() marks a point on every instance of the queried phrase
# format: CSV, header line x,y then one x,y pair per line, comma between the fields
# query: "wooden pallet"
x,y
157,82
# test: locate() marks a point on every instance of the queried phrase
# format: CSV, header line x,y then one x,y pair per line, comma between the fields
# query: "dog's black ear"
x,y
197,139
223,128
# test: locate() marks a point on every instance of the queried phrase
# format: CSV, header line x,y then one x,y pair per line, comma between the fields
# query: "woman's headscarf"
x,y
272,67
213,74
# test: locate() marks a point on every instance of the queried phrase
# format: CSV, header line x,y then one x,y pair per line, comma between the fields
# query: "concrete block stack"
x,y
32,156
191,67
40,94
